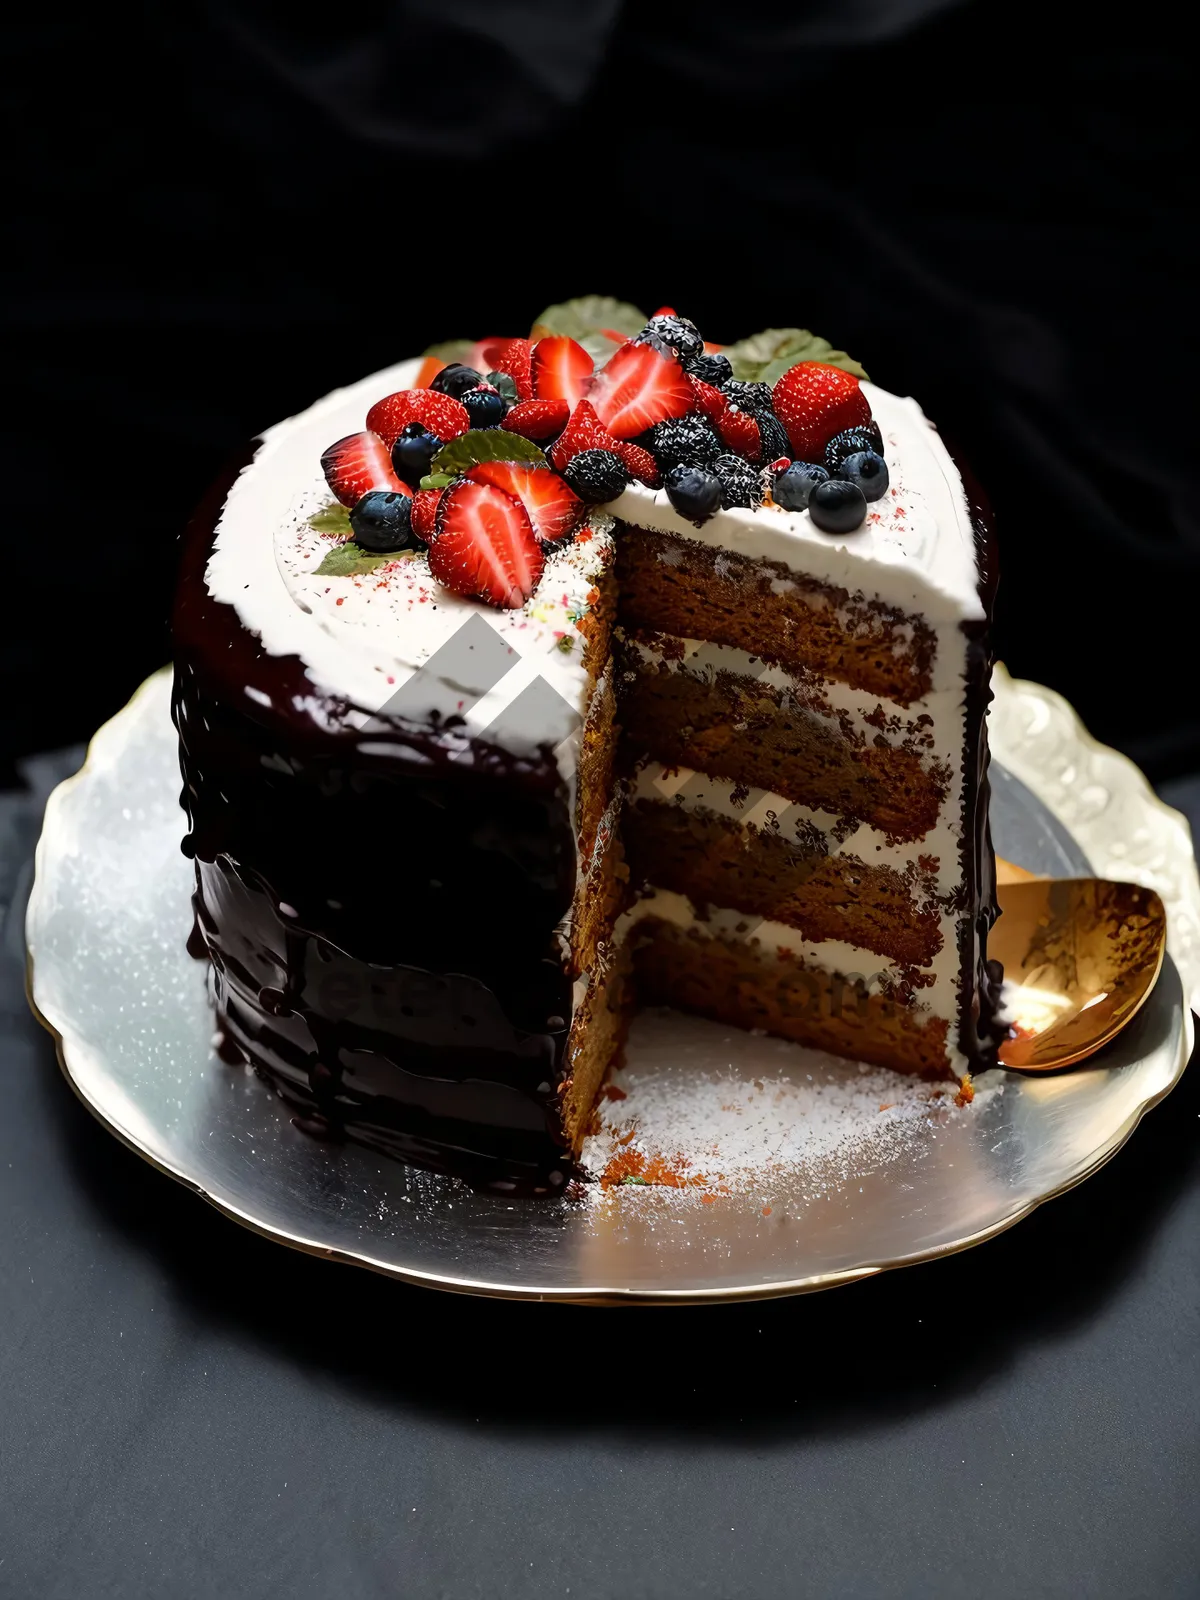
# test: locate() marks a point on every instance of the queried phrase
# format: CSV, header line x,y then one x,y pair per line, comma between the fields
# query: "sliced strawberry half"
x,y
561,369
553,506
357,464
537,419
815,401
638,388
438,413
484,545
583,432
516,359
424,512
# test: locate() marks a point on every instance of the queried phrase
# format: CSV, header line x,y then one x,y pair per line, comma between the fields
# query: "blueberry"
x,y
793,487
694,492
382,521
413,451
850,442
715,369
485,407
456,379
837,506
868,470
596,476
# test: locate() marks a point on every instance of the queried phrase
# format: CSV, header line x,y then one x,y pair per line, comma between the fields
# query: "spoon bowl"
x,y
1080,956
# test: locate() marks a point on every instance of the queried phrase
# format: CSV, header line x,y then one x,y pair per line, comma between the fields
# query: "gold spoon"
x,y
1080,956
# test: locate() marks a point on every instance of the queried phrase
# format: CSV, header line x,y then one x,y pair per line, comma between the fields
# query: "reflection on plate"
x,y
793,1171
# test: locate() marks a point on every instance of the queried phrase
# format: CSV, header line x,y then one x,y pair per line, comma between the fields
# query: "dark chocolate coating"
x,y
379,908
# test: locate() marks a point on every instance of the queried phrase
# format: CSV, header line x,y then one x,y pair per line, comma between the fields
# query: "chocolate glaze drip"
x,y
979,1031
378,908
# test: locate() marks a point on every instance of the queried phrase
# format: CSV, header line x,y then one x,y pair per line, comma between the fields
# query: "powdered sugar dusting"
x,y
702,1112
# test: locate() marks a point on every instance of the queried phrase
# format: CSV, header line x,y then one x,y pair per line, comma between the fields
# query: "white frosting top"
x,y
372,639
916,549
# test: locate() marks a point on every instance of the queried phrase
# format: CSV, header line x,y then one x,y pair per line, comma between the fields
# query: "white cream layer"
x,y
850,961
916,550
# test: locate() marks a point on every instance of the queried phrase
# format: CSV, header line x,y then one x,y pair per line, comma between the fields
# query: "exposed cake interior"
x,y
753,762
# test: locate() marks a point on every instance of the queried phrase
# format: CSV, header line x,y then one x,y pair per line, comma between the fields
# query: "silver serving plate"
x,y
110,977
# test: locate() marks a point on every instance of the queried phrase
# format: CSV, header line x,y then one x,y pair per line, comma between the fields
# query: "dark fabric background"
x,y
219,209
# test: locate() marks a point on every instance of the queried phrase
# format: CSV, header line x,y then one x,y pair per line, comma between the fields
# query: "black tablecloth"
x,y
190,1411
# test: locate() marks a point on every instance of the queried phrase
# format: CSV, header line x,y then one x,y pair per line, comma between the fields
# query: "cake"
x,y
537,679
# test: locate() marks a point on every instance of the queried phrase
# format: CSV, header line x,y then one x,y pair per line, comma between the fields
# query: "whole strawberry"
x,y
814,401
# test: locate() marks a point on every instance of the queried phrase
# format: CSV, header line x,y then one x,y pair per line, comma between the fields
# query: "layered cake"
x,y
541,677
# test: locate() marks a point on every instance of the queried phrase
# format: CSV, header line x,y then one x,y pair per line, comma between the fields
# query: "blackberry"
x,y
695,493
596,476
771,431
752,397
683,441
682,336
456,379
714,369
852,440
741,484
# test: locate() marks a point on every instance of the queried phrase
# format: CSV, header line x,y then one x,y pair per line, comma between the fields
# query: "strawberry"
x,y
484,546
436,412
537,419
815,401
561,369
552,506
665,311
424,512
583,432
738,429
638,388
357,464
708,398
483,354
739,433
515,359
641,463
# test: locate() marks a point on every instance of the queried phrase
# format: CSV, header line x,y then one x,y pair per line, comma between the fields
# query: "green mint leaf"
x,y
629,1178
584,321
351,561
506,385
451,350
484,444
436,480
333,519
766,356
